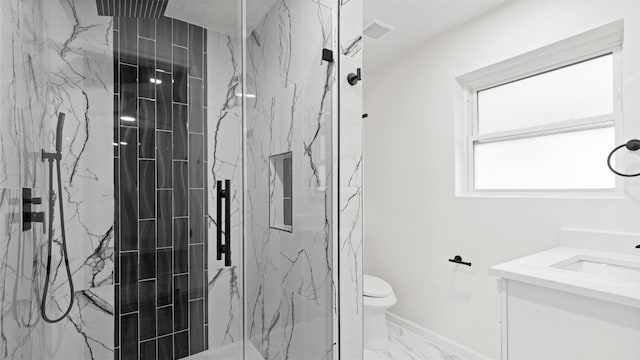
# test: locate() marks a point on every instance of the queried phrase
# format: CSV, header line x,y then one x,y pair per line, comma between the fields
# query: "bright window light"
x,y
549,131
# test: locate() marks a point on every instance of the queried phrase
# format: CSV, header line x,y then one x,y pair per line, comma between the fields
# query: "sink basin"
x,y
602,268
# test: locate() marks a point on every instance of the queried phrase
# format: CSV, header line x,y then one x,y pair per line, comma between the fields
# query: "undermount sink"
x,y
568,298
602,268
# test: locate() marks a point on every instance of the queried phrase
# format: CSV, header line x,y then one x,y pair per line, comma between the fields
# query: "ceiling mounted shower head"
x,y
150,9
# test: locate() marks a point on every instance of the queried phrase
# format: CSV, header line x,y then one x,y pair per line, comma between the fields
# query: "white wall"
x,y
414,222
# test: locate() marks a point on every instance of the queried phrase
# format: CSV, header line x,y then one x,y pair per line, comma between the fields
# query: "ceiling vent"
x,y
377,29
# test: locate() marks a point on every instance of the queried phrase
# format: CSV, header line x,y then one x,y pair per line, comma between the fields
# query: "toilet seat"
x,y
379,303
375,287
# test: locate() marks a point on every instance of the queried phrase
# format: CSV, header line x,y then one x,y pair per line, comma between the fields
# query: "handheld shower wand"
x,y
51,158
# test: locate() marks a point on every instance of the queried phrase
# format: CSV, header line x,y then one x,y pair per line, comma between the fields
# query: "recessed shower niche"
x,y
280,192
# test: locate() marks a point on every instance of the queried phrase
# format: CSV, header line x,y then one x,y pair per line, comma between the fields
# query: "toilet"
x,y
378,298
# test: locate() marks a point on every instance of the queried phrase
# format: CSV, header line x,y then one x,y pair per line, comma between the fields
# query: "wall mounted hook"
x,y
353,79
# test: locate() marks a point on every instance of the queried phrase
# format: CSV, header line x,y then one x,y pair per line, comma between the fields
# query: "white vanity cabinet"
x,y
554,308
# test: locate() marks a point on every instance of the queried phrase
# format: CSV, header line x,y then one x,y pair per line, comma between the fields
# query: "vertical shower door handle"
x,y
224,194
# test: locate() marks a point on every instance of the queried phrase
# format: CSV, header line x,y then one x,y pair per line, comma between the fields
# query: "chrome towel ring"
x,y
631,145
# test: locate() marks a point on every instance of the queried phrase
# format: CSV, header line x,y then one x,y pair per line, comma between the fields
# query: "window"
x,y
546,128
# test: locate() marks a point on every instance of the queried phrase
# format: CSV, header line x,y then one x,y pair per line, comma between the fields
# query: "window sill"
x,y
573,195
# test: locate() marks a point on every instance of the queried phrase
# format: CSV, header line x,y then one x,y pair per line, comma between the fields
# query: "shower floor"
x,y
405,345
228,352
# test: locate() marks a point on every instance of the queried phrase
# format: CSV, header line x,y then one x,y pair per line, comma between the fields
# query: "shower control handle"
x,y
223,194
28,216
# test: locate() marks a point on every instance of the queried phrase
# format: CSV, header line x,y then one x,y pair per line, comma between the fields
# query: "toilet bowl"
x,y
378,298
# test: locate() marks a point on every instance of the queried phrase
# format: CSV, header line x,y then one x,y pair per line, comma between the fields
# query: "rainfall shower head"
x,y
150,9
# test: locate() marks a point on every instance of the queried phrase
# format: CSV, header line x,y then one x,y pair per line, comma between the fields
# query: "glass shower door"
x,y
151,91
289,176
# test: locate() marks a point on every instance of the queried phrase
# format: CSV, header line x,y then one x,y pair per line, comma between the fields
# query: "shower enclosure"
x,y
210,179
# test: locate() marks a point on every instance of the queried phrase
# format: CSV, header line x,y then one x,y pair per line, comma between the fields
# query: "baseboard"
x,y
436,339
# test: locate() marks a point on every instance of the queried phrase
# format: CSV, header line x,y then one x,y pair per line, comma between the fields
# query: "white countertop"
x,y
537,269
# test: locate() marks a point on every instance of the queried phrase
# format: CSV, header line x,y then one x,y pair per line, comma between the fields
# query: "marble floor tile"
x,y
405,345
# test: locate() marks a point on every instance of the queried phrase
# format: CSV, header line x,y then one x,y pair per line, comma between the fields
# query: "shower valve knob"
x,y
34,201
28,216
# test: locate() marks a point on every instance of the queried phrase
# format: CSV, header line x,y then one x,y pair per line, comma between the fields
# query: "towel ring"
x,y
631,145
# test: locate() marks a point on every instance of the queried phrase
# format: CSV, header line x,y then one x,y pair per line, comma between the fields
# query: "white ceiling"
x,y
415,21
218,15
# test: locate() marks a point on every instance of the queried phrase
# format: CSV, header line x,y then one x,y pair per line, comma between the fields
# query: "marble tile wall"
x,y
224,161
160,121
351,165
290,108
49,67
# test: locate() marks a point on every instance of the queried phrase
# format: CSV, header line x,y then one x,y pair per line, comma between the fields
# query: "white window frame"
x,y
589,45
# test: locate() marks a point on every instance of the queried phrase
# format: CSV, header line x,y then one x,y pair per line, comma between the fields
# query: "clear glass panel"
x,y
290,109
573,92
573,160
152,121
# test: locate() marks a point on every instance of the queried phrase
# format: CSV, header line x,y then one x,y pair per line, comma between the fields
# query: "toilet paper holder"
x,y
458,260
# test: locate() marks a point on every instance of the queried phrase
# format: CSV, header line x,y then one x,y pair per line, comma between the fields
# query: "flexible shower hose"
x,y
50,245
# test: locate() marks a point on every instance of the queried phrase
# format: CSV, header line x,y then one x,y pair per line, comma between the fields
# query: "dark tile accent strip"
x,y
179,71
164,100
180,32
147,249
147,68
160,252
147,189
163,44
147,28
165,320
148,350
128,95
196,217
147,309
147,125
129,286
196,105
181,306
129,340
196,271
180,188
196,316
181,245
164,218
129,41
196,163
180,118
195,51
165,277
165,156
165,348
128,189
181,344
